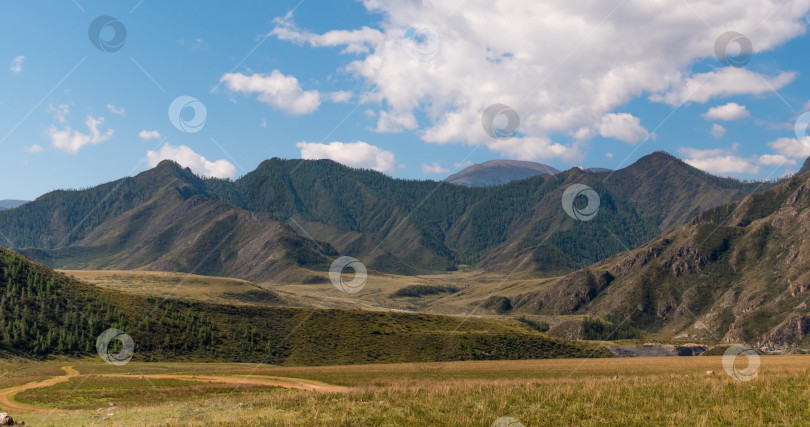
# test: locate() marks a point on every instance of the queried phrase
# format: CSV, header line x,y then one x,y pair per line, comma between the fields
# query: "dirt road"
x,y
291,383
7,401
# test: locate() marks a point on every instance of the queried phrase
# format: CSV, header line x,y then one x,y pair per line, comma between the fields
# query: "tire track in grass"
x,y
7,401
283,382
7,395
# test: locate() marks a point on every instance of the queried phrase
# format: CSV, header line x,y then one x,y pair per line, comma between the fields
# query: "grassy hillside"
x,y
190,287
44,312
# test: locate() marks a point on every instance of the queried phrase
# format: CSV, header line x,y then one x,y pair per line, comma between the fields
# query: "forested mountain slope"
x,y
261,226
160,220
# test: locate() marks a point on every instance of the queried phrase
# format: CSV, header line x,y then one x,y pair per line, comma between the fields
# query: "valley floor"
x,y
639,391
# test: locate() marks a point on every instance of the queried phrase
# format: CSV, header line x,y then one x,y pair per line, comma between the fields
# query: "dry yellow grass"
x,y
218,290
660,391
376,294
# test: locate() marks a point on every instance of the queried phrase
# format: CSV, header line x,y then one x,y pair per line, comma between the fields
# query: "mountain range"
x,y
10,204
289,218
499,172
672,251
739,272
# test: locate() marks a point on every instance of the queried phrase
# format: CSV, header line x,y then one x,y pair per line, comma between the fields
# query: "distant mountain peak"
x,y
168,163
11,204
168,169
170,166
498,172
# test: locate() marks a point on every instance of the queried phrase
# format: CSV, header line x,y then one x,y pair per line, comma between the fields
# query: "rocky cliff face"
x,y
791,333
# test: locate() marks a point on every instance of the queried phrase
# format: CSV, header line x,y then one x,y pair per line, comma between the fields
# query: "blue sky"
x,y
596,84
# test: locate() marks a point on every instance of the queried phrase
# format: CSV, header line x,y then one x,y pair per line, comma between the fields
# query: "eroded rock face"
x,y
568,296
798,288
530,302
501,305
691,349
658,350
783,336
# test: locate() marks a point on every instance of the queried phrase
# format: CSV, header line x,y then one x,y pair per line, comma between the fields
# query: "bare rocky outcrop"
x,y
658,350
500,305
530,302
782,337
568,295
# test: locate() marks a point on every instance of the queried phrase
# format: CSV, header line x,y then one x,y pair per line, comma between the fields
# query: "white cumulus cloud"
x,y
718,131
724,165
146,135
356,41
276,89
562,65
71,141
719,160
433,168
187,157
728,112
776,160
392,123
624,127
536,148
355,154
724,82
341,96
791,147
